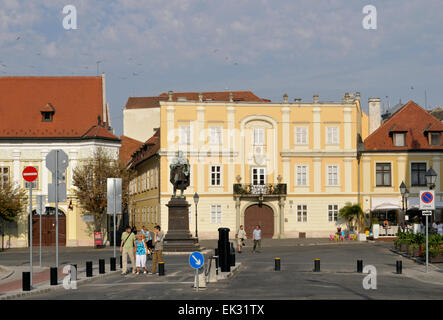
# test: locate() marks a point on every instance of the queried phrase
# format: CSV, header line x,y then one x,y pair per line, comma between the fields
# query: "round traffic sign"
x,y
196,260
30,174
427,197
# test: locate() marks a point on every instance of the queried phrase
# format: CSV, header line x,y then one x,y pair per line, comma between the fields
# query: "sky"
x,y
271,47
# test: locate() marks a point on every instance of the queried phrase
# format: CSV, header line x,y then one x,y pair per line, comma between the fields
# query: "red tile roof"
x,y
411,118
77,103
144,102
128,147
147,150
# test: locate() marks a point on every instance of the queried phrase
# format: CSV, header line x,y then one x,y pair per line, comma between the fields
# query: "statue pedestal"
x,y
178,238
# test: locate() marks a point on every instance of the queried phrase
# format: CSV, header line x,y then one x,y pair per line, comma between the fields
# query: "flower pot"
x,y
361,237
404,247
436,259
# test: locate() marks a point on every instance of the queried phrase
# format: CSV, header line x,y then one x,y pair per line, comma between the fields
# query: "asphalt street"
x,y
257,279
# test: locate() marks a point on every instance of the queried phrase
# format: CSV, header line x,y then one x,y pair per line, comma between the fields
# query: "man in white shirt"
x,y
256,236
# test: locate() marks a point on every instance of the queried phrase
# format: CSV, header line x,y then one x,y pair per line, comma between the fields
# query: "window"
x,y
383,174
333,175
301,175
332,135
399,139
47,116
4,176
418,171
185,135
301,135
435,139
258,176
259,136
216,214
332,212
215,135
215,175
302,213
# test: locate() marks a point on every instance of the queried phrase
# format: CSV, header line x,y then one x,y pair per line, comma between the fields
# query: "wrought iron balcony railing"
x,y
260,189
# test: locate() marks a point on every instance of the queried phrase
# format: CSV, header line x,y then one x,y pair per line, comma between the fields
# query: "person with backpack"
x,y
127,249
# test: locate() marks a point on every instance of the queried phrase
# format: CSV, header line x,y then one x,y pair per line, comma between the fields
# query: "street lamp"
x,y
431,177
196,197
404,194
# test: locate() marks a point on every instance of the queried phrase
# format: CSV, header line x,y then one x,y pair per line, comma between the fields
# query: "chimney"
x,y
315,98
357,96
374,114
285,98
200,97
231,97
170,95
297,99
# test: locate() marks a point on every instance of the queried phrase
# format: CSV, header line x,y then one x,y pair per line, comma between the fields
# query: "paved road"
x,y
258,280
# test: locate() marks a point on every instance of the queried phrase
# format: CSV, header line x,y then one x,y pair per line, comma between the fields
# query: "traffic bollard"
x,y
277,264
224,250
26,281
75,266
54,276
88,269
121,262
317,265
359,266
399,266
101,266
113,264
161,268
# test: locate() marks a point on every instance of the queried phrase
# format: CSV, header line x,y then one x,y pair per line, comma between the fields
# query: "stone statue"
x,y
180,174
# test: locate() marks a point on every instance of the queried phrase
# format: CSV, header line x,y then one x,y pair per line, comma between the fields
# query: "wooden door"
x,y
262,216
48,231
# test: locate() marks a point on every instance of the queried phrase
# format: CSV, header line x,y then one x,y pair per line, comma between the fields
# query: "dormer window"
x,y
47,113
46,116
435,138
399,139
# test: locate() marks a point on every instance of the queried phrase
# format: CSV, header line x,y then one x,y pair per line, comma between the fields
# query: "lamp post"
x,y
404,193
431,177
196,197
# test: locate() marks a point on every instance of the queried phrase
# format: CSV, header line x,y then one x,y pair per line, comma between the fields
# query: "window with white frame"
x,y
302,213
302,172
301,135
332,212
216,213
215,135
399,139
259,136
258,176
332,135
4,176
215,175
185,134
333,175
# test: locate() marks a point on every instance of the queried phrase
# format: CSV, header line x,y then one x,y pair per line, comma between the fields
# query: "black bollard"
x,y
113,264
121,262
101,266
54,276
399,266
359,266
88,269
75,266
161,268
26,281
224,250
317,265
277,264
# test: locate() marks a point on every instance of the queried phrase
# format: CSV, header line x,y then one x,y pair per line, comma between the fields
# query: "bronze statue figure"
x,y
180,174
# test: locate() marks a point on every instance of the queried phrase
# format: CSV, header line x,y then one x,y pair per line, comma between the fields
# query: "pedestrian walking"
x,y
256,236
158,248
127,249
140,253
240,236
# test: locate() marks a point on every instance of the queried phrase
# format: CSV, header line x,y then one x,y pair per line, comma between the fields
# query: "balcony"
x,y
270,189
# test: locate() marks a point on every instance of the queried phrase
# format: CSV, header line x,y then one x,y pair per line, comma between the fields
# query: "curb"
x,y
52,288
203,251
8,271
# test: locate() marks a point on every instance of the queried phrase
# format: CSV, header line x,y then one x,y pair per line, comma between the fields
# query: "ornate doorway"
x,y
262,216
48,228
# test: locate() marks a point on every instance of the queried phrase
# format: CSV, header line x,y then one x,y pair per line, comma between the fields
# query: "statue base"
x,y
178,237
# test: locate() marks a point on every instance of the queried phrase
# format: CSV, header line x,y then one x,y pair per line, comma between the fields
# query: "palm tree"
x,y
352,214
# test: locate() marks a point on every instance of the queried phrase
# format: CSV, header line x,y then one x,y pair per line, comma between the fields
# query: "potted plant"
x,y
353,215
414,249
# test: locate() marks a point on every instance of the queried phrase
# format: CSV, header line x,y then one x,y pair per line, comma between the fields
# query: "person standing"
x,y
147,237
140,253
127,249
256,236
240,236
158,248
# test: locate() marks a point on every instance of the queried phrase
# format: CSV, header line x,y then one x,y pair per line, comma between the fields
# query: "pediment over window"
x,y
47,112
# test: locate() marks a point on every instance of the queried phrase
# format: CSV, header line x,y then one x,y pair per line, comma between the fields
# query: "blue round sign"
x,y
427,197
196,260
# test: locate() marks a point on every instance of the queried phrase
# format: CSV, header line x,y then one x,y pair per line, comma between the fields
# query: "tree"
x,y
352,214
90,179
12,202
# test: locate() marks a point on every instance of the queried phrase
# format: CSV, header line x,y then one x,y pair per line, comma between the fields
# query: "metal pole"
x,y
115,213
196,278
427,244
30,229
40,223
196,229
56,208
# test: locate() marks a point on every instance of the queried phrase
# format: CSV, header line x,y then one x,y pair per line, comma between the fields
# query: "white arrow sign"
x,y
197,261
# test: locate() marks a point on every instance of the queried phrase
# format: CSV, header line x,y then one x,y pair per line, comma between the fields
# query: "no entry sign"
x,y
30,174
427,200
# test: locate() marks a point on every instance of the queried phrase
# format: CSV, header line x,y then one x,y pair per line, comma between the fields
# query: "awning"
x,y
385,204
414,203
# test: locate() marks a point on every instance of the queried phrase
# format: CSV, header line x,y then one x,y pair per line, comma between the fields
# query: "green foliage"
x,y
352,214
12,202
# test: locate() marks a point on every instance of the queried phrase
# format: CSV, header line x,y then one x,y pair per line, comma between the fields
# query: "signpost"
x,y
40,210
427,203
196,261
30,174
57,161
114,202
